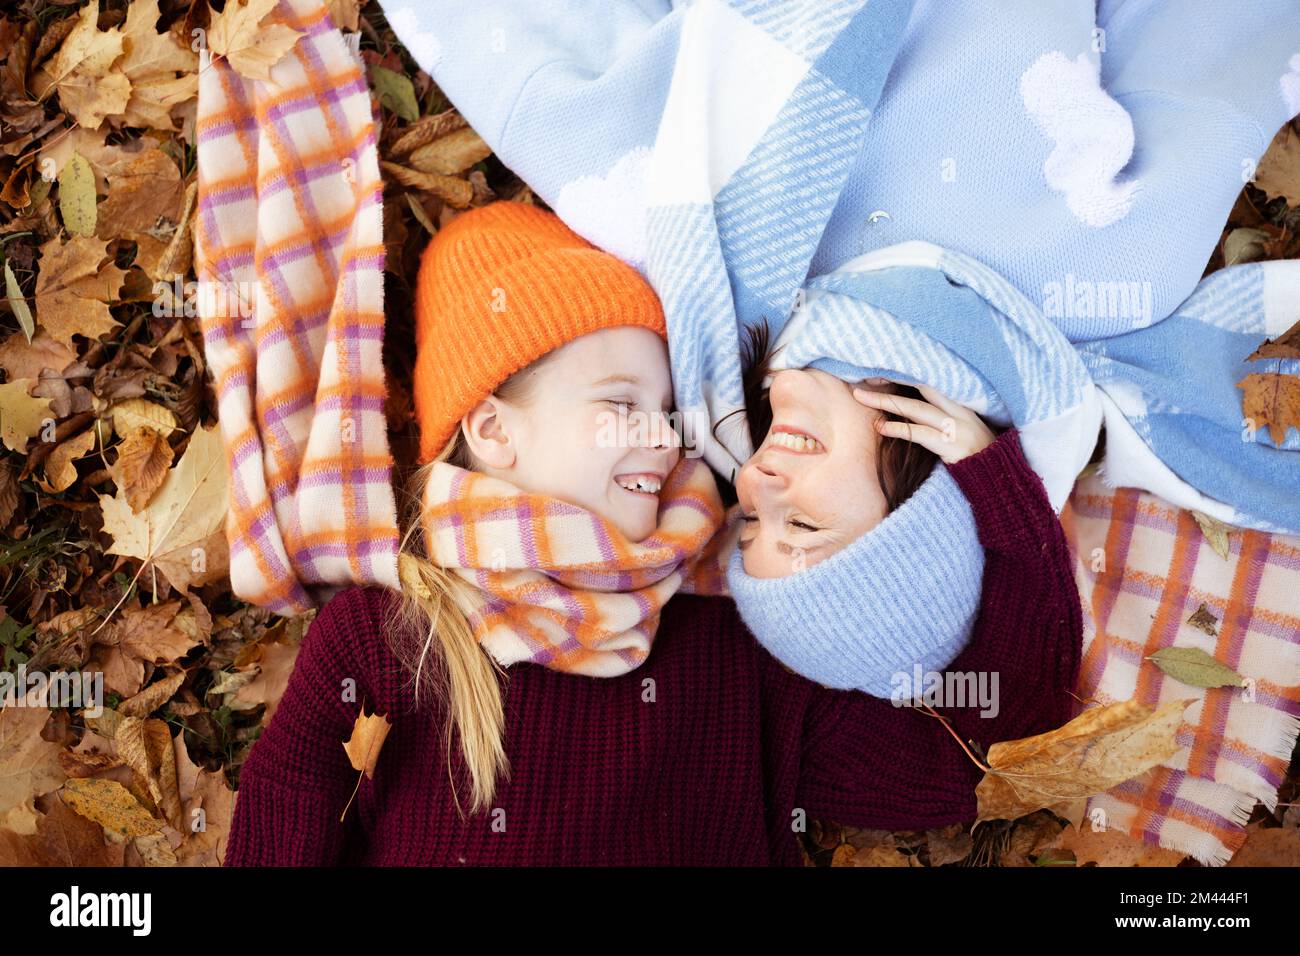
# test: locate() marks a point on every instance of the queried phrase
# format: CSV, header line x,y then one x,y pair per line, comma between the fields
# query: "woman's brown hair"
x,y
901,466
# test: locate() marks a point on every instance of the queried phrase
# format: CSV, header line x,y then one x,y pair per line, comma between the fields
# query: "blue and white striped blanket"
x,y
1068,163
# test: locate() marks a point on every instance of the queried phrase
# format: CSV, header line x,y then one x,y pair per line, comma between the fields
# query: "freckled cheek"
x,y
838,483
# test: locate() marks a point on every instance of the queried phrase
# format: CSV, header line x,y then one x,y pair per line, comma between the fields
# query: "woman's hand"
x,y
951,431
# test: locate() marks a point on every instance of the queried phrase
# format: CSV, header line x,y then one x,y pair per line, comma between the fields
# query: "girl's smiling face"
x,y
812,486
589,428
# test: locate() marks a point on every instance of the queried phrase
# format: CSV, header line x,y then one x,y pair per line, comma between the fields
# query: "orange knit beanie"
x,y
500,286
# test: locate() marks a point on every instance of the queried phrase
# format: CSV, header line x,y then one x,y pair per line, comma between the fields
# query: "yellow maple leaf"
x,y
77,279
239,34
21,415
367,740
60,472
363,747
184,519
151,63
90,86
1271,399
1097,750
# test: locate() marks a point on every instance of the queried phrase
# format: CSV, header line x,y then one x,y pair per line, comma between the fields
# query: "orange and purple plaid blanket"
x,y
1144,569
290,260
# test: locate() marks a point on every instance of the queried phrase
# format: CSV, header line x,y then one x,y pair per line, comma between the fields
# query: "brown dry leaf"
x,y
146,747
881,855
89,86
951,844
22,359
152,697
151,63
367,740
8,493
142,191
143,460
61,838
251,46
150,634
1285,346
452,154
22,416
29,764
1113,848
345,13
1028,836
123,674
60,471
77,279
136,413
111,805
1271,399
1268,846
1059,770
181,531
1216,533
1278,173
154,849
209,807
453,190
177,256
275,667
426,129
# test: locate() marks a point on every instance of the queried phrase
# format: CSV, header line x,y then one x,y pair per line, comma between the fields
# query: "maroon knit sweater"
x,y
710,752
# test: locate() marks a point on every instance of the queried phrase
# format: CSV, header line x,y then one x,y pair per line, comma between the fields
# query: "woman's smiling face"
x,y
812,486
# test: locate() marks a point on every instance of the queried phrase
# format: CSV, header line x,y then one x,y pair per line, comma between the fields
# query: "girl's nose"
x,y
662,434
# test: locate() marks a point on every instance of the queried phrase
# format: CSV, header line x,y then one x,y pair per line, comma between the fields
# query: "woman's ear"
x,y
487,436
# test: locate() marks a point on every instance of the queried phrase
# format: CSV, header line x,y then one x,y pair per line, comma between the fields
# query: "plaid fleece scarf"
x,y
289,243
558,585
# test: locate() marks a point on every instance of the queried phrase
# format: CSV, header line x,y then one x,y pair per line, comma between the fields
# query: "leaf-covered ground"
x,y
111,491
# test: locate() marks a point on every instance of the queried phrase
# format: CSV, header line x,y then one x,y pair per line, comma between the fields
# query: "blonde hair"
x,y
431,637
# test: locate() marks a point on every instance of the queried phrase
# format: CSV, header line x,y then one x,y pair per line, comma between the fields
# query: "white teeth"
x,y
794,442
651,485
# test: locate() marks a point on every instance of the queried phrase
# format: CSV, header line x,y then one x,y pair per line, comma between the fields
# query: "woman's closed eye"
x,y
792,522
621,403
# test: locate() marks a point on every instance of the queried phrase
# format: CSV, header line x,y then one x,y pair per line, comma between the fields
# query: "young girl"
x,y
538,715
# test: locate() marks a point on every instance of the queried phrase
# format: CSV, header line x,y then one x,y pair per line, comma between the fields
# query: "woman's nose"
x,y
760,481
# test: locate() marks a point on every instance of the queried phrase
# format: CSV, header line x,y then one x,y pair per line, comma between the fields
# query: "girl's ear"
x,y
486,434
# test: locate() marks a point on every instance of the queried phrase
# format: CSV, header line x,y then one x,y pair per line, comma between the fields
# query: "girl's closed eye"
x,y
802,526
621,403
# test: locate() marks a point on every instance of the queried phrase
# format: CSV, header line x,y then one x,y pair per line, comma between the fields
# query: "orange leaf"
x,y
143,460
1271,399
367,740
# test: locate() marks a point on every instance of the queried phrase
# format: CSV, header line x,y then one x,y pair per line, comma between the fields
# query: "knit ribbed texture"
x,y
499,287
904,594
710,772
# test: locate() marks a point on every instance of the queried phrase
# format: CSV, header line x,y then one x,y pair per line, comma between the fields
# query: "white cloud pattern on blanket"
x,y
1290,83
1092,136
609,210
421,44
